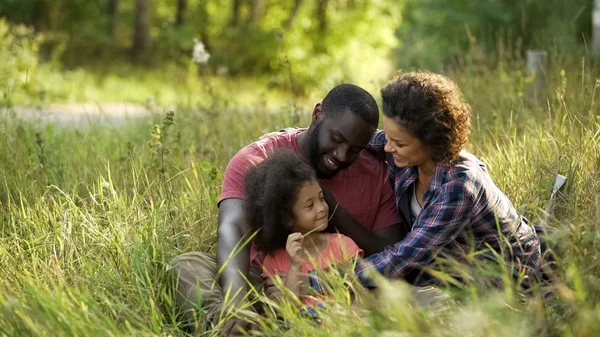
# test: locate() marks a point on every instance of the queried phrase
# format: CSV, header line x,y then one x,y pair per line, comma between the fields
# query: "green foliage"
x,y
350,41
91,217
437,33
18,70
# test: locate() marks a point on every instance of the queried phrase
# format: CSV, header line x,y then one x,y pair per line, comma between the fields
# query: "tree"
x,y
235,12
293,13
181,7
143,22
256,12
321,14
111,11
203,21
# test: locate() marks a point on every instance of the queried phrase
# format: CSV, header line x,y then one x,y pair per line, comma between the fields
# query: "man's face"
x,y
336,142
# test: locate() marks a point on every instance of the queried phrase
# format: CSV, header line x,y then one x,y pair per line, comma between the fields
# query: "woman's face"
x,y
408,151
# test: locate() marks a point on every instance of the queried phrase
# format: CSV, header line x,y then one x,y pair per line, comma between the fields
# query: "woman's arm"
x,y
438,225
376,146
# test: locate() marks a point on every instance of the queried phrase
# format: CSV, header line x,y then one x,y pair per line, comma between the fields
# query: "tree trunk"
x,y
235,14
181,8
293,13
203,22
321,14
111,11
143,21
256,12
39,17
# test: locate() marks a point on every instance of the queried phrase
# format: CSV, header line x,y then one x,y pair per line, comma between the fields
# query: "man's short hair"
x,y
351,98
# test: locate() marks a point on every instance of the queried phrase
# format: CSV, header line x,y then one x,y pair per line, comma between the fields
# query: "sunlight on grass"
x,y
90,218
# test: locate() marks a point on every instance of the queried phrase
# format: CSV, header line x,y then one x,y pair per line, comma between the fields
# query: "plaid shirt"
x,y
462,211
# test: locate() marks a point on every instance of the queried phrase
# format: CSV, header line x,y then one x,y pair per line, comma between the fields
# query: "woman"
x,y
449,203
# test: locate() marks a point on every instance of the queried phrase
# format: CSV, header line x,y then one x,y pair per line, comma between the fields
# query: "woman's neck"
x,y
425,173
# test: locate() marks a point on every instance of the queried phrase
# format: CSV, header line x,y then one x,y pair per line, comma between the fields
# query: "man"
x,y
341,127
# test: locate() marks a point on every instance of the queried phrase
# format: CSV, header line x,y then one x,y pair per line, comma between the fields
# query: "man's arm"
x,y
233,228
370,242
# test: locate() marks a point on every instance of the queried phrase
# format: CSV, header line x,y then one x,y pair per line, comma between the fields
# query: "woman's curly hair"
x,y
432,109
271,191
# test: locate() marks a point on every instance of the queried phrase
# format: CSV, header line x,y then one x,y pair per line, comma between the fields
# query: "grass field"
x,y
91,217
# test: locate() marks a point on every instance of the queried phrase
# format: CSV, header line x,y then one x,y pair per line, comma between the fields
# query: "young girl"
x,y
285,205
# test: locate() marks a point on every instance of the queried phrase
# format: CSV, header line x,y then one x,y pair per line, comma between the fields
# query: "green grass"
x,y
90,218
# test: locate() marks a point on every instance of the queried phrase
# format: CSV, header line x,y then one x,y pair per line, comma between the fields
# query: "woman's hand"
x,y
295,249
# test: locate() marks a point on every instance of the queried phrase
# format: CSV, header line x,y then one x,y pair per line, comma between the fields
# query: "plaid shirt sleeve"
x,y
437,225
377,145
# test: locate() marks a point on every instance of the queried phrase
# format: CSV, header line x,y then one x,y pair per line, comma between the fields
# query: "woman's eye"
x,y
309,206
399,145
336,139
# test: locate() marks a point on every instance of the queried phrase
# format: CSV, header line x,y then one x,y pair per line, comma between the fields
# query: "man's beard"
x,y
314,156
313,147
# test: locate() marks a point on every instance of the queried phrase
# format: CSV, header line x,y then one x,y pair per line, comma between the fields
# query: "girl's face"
x,y
311,210
407,150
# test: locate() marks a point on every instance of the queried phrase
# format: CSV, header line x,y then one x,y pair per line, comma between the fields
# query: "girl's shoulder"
x,y
277,261
341,245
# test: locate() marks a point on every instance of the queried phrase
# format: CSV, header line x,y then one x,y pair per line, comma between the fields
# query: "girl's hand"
x,y
295,249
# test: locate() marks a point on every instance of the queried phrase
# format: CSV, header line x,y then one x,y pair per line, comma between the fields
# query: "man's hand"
x,y
272,290
236,327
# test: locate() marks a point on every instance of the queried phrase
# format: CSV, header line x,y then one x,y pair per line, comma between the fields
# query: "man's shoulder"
x,y
262,148
366,162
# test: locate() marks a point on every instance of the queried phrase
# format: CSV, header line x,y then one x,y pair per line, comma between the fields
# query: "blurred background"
x,y
130,50
118,118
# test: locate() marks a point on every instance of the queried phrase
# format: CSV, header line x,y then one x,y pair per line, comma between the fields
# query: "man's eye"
x,y
309,206
336,138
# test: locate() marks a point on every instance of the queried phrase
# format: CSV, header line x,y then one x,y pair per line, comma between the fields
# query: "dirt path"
x,y
115,114
82,114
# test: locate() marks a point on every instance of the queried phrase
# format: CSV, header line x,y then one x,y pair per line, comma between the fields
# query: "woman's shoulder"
x,y
467,174
466,167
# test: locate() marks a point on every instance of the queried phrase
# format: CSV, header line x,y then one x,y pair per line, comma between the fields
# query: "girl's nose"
x,y
323,207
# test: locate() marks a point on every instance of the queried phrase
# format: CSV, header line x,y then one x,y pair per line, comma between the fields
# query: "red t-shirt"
x,y
363,189
339,249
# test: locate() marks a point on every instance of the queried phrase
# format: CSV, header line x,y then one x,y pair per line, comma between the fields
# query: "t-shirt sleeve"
x,y
348,248
274,263
233,179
